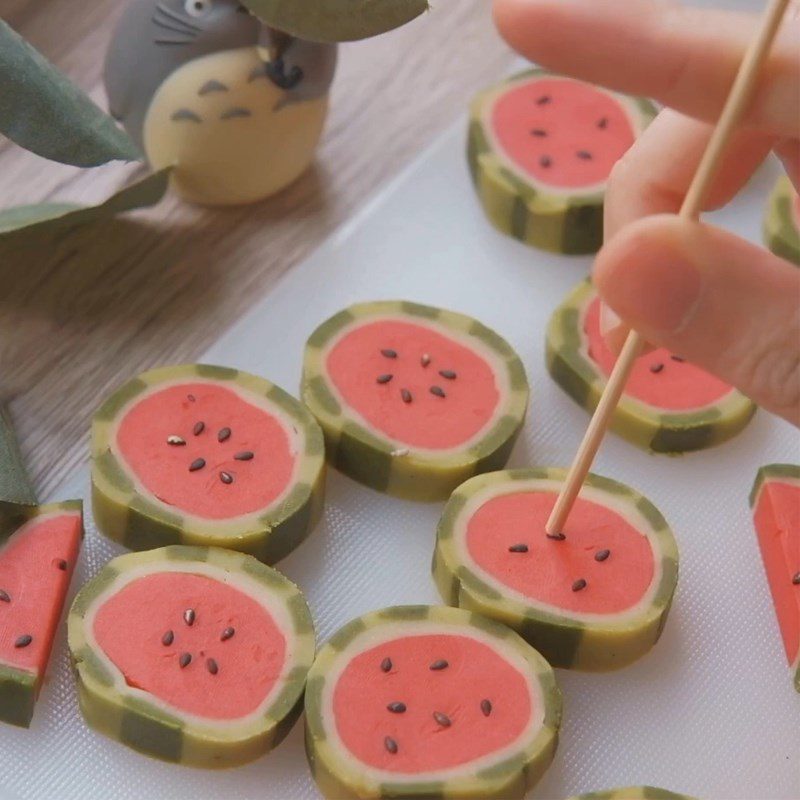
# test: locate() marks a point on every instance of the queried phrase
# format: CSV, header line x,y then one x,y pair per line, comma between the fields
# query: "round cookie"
x,y
540,150
594,597
668,406
192,655
205,455
421,702
413,399
782,221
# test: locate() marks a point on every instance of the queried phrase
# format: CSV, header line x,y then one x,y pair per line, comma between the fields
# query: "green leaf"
x,y
39,217
14,485
43,112
336,20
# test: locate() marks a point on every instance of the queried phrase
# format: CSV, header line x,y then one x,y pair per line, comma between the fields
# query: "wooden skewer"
x,y
738,99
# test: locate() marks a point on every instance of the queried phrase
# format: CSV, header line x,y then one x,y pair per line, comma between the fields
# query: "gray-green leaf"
x,y
43,112
38,218
336,20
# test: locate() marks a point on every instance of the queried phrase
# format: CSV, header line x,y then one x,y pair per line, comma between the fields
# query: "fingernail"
x,y
657,293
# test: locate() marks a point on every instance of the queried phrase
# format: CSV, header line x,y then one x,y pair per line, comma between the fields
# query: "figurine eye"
x,y
197,8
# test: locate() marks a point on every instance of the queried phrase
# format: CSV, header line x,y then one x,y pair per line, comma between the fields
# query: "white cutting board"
x,y
710,712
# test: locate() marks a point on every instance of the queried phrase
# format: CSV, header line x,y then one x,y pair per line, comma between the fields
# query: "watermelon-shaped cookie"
x,y
782,221
206,455
422,702
593,597
541,148
633,793
413,400
669,405
195,655
38,549
775,500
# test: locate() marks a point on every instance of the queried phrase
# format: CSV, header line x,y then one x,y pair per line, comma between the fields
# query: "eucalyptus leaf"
x,y
43,216
336,20
15,488
43,112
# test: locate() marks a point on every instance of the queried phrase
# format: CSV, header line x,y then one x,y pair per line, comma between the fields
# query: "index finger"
x,y
683,57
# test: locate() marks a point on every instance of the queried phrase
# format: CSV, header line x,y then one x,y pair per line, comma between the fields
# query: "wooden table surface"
x,y
85,310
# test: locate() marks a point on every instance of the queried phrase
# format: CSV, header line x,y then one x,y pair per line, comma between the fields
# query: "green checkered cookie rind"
x,y
563,639
644,425
137,718
560,222
340,776
376,461
782,221
633,793
136,518
19,688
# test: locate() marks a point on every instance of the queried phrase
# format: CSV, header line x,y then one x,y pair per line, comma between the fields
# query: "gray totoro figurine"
x,y
237,108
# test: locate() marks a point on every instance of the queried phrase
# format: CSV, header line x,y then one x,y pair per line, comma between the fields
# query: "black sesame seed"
x,y
679,359
384,378
438,391
518,548
486,707
390,744
602,555
212,666
442,719
545,161
224,434
448,374
557,537
406,395
176,441
24,640
199,427
389,353
602,123
197,464
796,579
189,616
584,155
578,585
61,564
168,638
386,665
543,100
227,634
656,368
439,665
244,455
191,397
397,708
185,660
5,597
538,132
226,478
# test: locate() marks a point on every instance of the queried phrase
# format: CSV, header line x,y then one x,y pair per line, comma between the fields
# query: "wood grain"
x,y
83,311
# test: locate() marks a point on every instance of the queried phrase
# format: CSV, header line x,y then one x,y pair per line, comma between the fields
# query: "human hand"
x,y
718,300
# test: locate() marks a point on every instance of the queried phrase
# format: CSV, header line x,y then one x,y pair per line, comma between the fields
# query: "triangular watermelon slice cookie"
x,y
782,221
413,399
205,455
39,547
540,150
193,655
633,793
423,702
668,406
775,500
594,597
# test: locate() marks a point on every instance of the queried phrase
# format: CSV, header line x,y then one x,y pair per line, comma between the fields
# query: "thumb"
x,y
721,302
